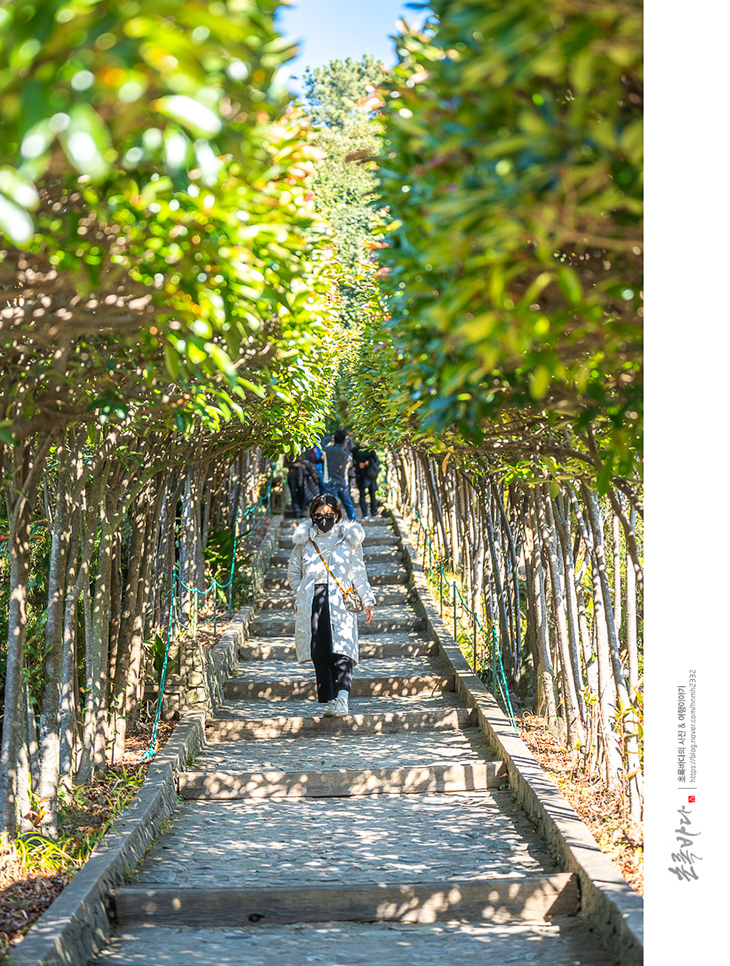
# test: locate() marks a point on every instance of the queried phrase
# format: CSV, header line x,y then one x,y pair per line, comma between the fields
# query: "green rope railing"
x,y
178,623
497,669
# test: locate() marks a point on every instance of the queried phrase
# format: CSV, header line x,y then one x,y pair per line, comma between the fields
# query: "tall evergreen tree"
x,y
335,96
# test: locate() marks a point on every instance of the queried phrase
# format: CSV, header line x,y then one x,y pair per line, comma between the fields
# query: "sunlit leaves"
x,y
103,89
15,221
511,167
196,117
149,167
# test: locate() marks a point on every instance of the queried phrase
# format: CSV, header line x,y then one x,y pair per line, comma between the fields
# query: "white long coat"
x,y
346,562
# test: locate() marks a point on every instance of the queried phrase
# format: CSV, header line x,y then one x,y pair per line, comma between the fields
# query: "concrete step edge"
x,y
383,722
342,782
498,899
286,628
382,651
361,687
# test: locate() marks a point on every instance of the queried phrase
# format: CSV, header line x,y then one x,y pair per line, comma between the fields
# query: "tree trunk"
x,y
631,725
50,723
546,674
142,626
514,573
28,767
97,640
122,685
69,661
116,601
631,621
560,514
190,536
23,471
431,484
629,528
165,557
505,648
617,594
531,627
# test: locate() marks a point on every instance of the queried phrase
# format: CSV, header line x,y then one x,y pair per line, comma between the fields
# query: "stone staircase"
x,y
386,835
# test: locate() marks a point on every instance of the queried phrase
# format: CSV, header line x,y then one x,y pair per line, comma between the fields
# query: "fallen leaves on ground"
x,y
620,838
27,890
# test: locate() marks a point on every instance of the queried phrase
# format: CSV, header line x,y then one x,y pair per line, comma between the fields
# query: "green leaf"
x,y
172,362
570,284
15,222
193,115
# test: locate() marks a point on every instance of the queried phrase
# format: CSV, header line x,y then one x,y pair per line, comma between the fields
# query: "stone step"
x,y
341,782
561,941
385,596
378,575
307,706
373,722
499,900
280,842
386,620
284,689
353,748
372,677
371,646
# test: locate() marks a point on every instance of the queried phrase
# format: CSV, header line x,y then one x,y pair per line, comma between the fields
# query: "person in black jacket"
x,y
301,475
367,468
316,457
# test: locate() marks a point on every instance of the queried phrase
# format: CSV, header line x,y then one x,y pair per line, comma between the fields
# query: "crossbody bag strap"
x,y
327,567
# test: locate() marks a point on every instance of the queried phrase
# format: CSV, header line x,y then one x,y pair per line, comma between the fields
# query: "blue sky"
x,y
335,29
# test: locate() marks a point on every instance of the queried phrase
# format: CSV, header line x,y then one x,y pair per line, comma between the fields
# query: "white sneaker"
x,y
329,708
339,707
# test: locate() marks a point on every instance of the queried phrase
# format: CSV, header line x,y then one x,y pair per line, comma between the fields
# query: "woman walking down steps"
x,y
394,843
327,559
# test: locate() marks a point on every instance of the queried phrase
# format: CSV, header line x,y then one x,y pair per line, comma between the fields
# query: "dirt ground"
x,y
620,838
27,888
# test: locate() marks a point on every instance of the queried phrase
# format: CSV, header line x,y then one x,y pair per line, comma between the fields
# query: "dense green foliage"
x,y
333,93
168,311
155,197
512,171
345,183
194,274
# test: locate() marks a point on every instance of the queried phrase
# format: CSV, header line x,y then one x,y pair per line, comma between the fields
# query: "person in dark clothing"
x,y
338,461
301,476
367,468
316,457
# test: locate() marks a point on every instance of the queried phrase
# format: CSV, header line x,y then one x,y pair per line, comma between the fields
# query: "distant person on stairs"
x,y
301,475
367,467
339,460
326,561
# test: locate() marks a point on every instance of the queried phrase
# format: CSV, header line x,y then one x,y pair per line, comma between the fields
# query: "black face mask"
x,y
325,524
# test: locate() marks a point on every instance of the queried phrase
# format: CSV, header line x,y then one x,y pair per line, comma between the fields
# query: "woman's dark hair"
x,y
326,499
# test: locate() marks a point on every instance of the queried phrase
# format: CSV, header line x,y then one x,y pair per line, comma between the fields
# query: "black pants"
x,y
333,671
298,498
367,488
